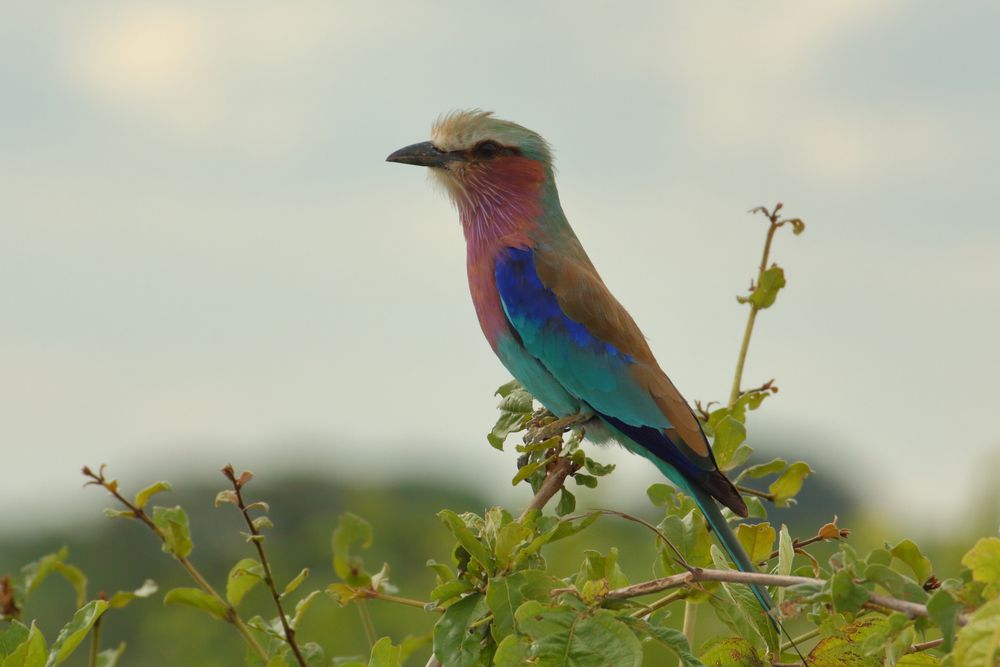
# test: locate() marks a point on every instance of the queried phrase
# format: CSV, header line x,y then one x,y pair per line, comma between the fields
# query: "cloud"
x,y
215,79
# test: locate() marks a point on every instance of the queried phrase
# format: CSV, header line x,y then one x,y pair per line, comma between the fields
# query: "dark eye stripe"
x,y
487,149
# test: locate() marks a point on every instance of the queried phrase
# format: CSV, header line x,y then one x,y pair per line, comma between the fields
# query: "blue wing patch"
x,y
590,369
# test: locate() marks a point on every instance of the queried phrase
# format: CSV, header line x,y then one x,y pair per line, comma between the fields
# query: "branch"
x,y
257,540
561,468
231,616
775,223
875,600
555,478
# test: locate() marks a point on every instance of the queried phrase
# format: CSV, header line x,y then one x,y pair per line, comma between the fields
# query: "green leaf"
x,y
978,643
984,560
567,502
242,578
278,660
384,654
909,553
670,637
741,602
296,582
898,585
764,469
596,567
454,644
76,578
75,631
789,483
450,589
505,594
506,388
943,609
564,637
757,540
465,537
661,495
527,470
144,495
262,522
730,652
173,523
918,660
508,539
197,598
879,557
37,572
513,651
109,657
771,282
344,594
15,634
122,598
562,529
515,410
729,435
226,496
351,530
598,469
30,652
441,571
786,555
689,535
846,649
847,595
585,480
301,607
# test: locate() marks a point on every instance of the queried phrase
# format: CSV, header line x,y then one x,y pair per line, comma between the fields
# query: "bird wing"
x,y
567,318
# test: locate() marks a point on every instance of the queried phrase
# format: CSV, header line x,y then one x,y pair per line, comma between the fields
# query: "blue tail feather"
x,y
727,538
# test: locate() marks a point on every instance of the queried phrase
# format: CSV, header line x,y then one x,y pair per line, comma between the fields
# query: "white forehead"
x,y
460,130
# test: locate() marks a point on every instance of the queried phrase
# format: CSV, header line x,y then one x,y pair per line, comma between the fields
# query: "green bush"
x,y
498,601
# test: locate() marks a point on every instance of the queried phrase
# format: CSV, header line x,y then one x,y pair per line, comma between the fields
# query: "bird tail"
x,y
727,538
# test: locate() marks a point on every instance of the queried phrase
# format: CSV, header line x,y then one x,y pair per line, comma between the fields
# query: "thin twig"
x,y
734,393
372,594
231,615
366,621
258,542
95,642
659,604
754,492
926,646
678,556
690,623
798,640
875,600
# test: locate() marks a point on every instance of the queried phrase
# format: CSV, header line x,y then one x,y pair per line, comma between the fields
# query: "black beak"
x,y
424,154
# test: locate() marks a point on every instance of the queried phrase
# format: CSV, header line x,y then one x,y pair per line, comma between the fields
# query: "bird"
x,y
550,318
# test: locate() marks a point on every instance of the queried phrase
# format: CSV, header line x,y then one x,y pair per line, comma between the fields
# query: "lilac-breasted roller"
x,y
550,318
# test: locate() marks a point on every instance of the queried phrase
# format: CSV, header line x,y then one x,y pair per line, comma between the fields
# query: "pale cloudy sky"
x,y
203,254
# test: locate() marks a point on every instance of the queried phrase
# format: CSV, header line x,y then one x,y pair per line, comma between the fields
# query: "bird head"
x,y
475,156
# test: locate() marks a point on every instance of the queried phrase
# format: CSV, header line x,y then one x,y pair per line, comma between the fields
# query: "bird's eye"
x,y
486,149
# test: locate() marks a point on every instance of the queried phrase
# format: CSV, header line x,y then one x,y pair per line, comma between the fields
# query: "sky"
x,y
204,257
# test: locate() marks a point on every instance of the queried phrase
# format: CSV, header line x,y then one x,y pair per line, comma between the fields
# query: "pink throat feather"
x,y
498,203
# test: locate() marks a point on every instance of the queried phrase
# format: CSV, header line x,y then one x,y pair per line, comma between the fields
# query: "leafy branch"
x,y
257,539
170,525
764,289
